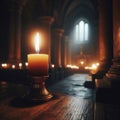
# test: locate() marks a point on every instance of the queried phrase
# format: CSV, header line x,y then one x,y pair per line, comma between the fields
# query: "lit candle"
x,y
13,66
52,65
20,65
26,65
38,63
4,65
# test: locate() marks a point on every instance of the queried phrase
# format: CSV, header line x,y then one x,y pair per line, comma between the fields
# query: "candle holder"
x,y
38,91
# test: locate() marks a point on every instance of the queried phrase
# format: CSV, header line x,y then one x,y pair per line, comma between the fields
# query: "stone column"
x,y
66,51
45,28
15,33
105,34
63,51
112,77
114,72
69,52
58,34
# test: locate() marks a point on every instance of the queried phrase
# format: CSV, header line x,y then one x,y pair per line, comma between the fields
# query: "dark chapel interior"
x,y
73,73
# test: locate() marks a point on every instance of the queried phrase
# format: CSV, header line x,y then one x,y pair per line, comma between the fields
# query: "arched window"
x,y
81,31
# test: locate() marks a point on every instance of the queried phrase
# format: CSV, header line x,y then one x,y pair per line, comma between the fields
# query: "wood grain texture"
x,y
63,107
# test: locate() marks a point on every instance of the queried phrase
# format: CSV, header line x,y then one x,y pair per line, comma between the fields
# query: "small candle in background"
x,y
20,65
13,66
26,65
52,65
81,62
4,65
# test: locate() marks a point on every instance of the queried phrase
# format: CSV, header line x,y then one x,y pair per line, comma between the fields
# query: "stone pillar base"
x,y
112,77
114,71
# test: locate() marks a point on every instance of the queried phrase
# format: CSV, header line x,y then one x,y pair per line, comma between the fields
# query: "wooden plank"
x,y
63,107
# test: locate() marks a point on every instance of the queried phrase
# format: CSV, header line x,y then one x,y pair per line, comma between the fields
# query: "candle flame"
x,y
37,43
4,65
13,66
26,63
81,62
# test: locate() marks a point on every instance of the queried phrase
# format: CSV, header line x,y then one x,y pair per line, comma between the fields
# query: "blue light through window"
x,y
76,32
86,31
81,32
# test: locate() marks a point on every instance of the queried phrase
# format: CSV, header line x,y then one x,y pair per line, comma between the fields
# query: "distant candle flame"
x,y
37,43
4,65
73,66
52,65
26,63
81,62
13,66
20,65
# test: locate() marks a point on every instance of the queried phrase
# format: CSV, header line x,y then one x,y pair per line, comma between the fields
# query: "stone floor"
x,y
74,85
106,109
71,85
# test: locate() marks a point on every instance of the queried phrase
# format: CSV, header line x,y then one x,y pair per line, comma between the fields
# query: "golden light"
x,y
68,66
38,67
94,66
13,66
52,65
86,67
72,66
26,64
20,65
34,34
81,62
97,64
37,42
4,65
38,63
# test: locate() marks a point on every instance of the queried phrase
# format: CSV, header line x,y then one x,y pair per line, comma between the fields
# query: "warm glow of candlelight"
x,y
38,63
13,66
94,66
97,64
81,62
68,66
26,64
73,66
52,65
4,65
20,65
37,43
